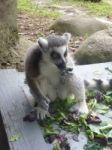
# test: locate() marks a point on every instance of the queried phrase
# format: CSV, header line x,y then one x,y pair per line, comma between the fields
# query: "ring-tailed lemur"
x,y
50,74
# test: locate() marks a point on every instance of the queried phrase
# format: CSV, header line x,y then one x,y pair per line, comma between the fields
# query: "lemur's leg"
x,y
77,88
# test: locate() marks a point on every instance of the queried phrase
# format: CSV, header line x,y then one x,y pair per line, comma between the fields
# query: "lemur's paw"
x,y
41,113
80,108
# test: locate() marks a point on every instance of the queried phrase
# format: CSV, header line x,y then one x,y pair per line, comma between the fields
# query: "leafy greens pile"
x,y
97,124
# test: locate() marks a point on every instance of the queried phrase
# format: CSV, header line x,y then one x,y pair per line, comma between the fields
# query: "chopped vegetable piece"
x,y
93,119
14,138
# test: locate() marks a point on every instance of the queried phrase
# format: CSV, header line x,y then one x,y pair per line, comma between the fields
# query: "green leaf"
x,y
90,134
92,104
56,145
95,128
108,126
14,138
106,129
101,108
109,134
91,145
109,93
108,100
49,130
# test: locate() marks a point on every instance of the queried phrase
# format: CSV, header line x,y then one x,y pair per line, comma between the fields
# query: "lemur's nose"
x,y
62,65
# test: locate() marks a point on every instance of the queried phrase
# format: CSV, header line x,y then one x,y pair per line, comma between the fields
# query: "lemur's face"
x,y
54,49
58,56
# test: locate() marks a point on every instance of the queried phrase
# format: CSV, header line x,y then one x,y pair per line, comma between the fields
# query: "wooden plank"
x,y
95,70
14,105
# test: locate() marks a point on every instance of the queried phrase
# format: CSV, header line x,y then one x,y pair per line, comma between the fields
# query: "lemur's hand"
x,y
42,108
41,113
37,114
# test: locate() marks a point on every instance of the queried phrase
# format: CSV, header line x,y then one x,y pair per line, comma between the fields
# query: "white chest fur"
x,y
50,72
49,79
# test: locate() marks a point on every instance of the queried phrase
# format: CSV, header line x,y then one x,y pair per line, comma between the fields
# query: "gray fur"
x,y
98,84
45,76
32,70
32,61
50,76
43,103
56,41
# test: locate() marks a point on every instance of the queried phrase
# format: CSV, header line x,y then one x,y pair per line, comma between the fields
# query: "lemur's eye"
x,y
65,54
55,55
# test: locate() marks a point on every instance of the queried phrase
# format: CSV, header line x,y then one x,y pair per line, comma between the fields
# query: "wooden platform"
x,y
14,104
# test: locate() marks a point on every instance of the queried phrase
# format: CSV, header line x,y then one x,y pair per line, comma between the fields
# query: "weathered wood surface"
x,y
96,71
87,72
14,105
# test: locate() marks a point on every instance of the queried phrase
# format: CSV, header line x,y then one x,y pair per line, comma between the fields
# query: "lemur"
x,y
50,74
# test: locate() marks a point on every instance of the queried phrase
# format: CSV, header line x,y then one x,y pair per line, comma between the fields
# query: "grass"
x,y
29,7
100,9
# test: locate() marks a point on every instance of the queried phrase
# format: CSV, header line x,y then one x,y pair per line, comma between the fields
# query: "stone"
x,y
23,45
78,25
96,49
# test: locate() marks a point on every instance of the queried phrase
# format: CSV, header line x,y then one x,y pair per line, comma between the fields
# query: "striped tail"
x,y
98,84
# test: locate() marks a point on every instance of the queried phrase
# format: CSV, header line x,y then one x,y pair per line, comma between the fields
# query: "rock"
x,y
23,45
78,25
22,48
97,48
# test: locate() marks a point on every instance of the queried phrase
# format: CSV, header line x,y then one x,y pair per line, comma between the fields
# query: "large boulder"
x,y
97,48
23,45
78,25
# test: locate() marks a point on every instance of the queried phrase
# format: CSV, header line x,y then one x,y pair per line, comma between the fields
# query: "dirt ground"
x,y
33,27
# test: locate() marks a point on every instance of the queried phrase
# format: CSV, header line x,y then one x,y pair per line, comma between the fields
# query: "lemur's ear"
x,y
43,43
67,36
